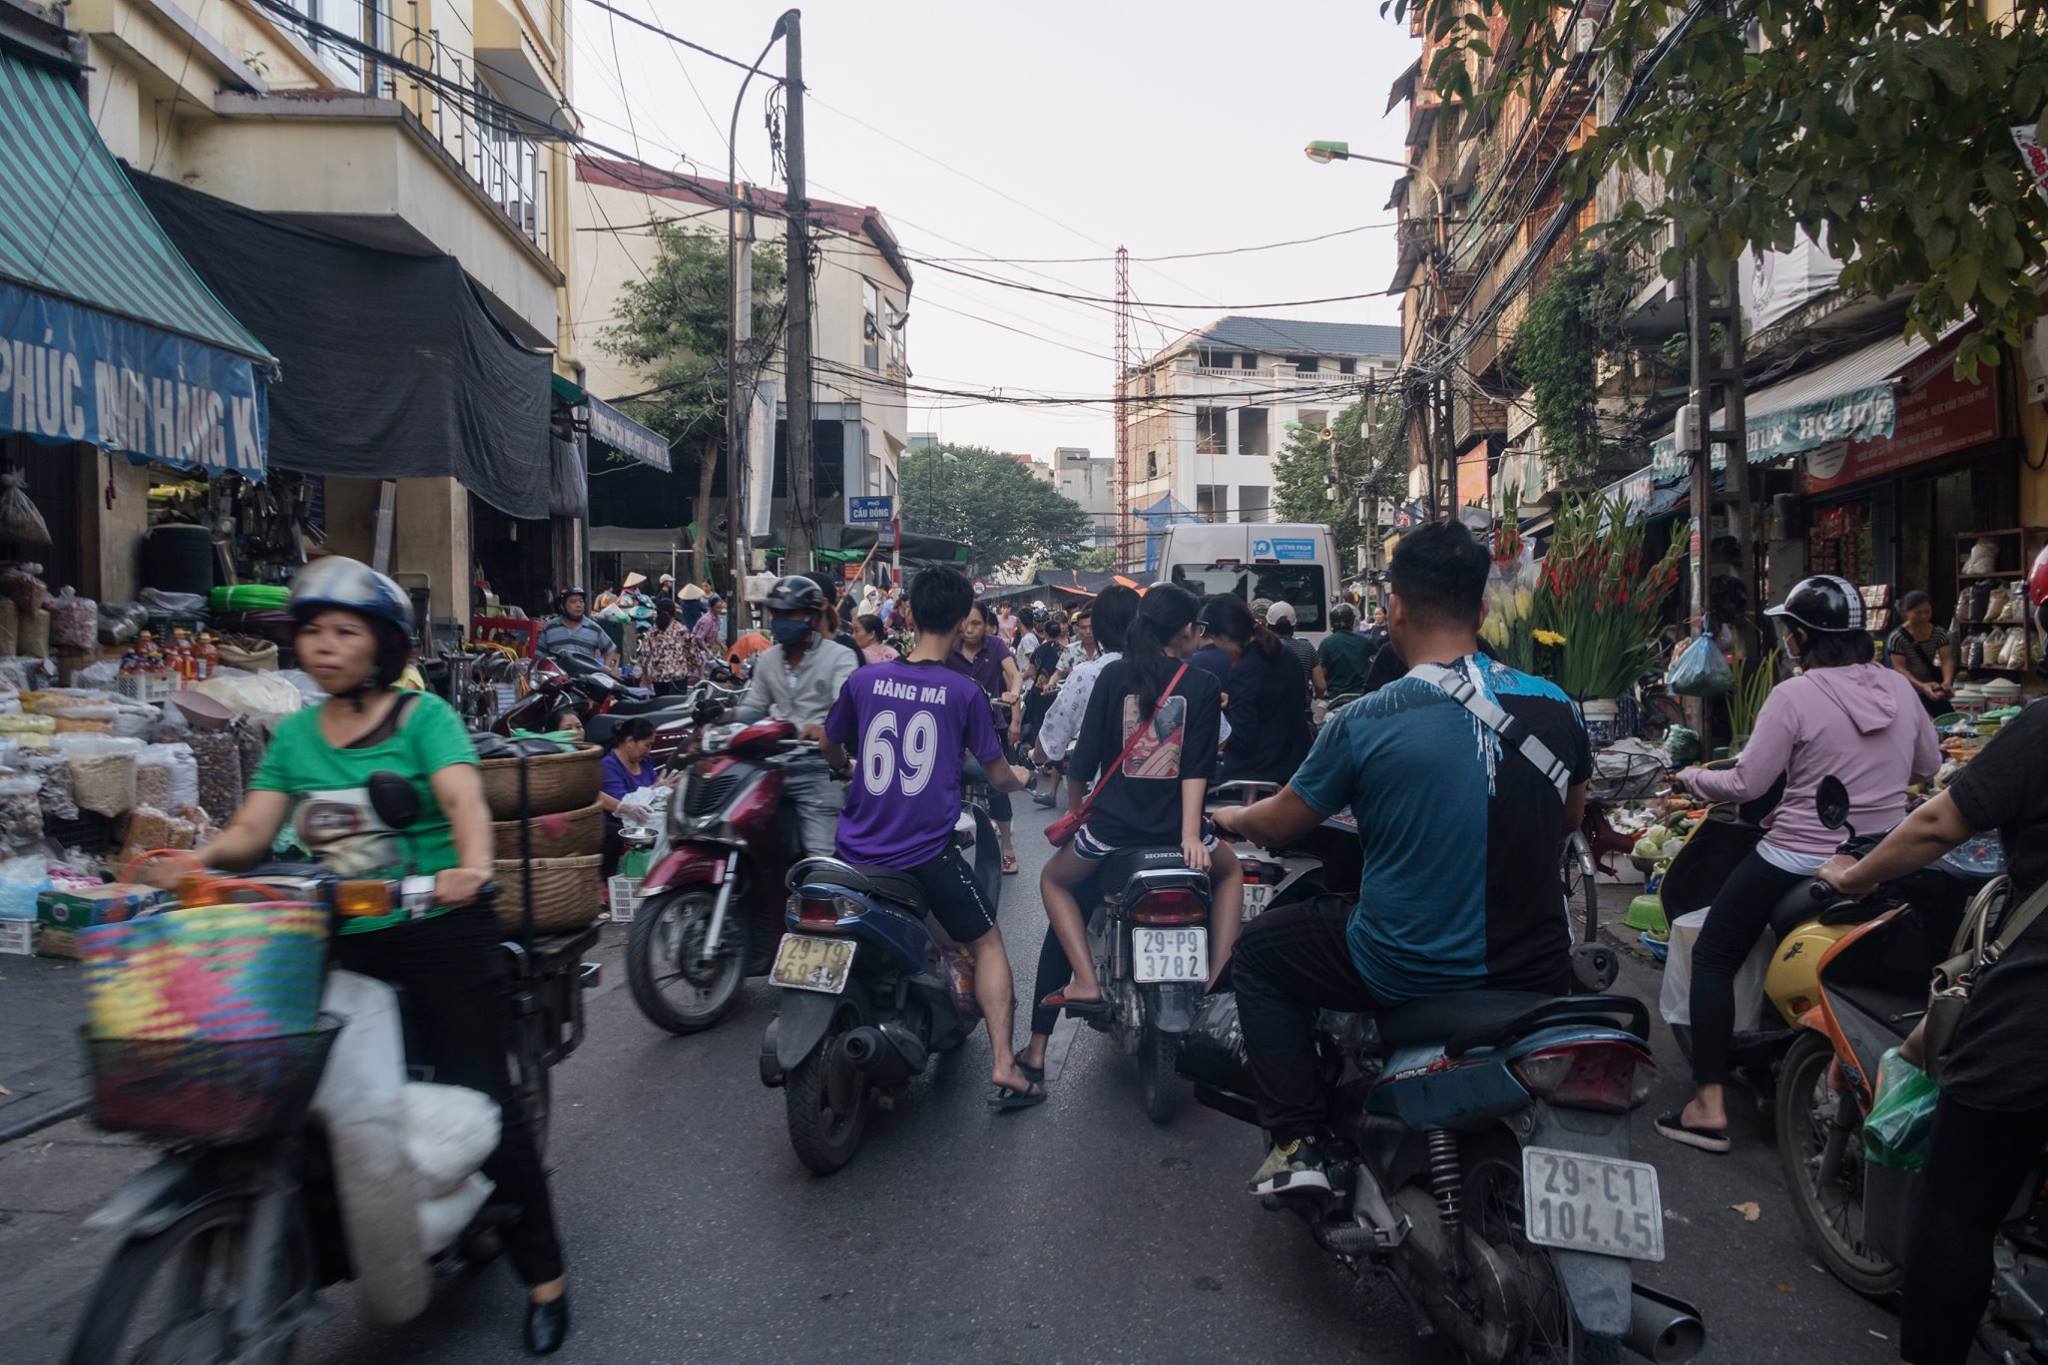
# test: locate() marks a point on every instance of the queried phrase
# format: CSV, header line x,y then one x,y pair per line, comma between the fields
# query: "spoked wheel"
x,y
827,1101
673,982
1821,1150
1580,898
1551,1334
171,1299
1157,1054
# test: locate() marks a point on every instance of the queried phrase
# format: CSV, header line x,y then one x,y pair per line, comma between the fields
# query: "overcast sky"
x,y
1052,129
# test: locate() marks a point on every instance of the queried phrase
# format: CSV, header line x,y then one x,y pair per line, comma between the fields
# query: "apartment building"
x,y
1210,410
1089,482
859,337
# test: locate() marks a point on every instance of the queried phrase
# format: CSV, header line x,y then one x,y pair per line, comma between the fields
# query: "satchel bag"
x,y
1955,978
1061,831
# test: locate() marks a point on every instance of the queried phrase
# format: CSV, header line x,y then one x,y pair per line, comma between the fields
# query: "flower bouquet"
x,y
1511,594
1599,594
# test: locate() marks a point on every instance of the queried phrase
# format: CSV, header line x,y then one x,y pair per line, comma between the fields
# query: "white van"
x,y
1292,562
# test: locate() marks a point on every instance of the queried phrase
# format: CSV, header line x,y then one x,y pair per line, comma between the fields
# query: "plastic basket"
x,y
208,1091
625,898
17,936
218,971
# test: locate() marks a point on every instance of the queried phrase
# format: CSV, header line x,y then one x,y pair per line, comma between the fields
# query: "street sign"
x,y
979,587
870,511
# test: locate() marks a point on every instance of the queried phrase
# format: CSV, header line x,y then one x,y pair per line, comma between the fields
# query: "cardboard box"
x,y
17,936
64,914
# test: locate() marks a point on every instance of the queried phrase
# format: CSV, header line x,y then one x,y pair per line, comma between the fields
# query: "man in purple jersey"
x,y
907,723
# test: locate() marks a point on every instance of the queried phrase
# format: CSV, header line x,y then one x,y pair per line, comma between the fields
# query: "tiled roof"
x,y
692,189
1292,336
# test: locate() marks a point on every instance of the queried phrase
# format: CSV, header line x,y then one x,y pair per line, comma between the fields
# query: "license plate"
x,y
1169,955
813,964
1599,1204
1256,897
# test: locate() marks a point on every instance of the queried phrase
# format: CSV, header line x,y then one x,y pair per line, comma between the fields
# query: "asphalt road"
x,y
1073,1232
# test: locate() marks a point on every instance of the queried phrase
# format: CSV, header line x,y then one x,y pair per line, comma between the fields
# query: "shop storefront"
x,y
119,368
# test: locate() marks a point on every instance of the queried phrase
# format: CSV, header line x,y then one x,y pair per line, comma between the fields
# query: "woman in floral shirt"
x,y
668,656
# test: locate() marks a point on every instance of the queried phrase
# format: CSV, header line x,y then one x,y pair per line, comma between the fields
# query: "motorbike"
x,y
711,906
1278,876
1870,991
1149,935
339,1168
870,998
1479,1159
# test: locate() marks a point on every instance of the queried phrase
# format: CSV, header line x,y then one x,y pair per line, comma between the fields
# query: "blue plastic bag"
x,y
1700,670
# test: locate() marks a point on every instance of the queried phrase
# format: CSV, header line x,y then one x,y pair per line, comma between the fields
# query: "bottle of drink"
x,y
180,656
209,655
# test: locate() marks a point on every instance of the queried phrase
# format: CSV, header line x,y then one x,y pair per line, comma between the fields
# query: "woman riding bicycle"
x,y
354,629
1844,717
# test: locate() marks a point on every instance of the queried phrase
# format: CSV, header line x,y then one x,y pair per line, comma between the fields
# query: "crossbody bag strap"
x,y
2016,924
1513,733
1130,744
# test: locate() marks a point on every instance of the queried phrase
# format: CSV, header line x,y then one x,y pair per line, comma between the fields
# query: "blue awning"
x,y
609,426
106,334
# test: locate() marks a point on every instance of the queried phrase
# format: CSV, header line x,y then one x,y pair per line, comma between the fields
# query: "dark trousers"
x,y
1289,964
451,971
1735,921
1976,1163
613,849
1054,971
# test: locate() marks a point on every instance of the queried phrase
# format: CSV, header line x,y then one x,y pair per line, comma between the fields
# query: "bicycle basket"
x,y
1622,775
209,1091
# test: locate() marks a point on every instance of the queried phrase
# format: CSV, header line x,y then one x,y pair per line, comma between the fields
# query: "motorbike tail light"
x,y
816,913
1170,907
1607,1077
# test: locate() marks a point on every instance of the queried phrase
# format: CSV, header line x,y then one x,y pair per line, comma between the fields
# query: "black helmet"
x,y
568,593
794,592
1823,602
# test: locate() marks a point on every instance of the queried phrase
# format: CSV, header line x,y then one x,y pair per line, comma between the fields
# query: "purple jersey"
x,y
905,725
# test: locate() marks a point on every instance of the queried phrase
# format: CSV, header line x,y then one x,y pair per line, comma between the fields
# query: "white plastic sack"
x,y
449,1131
254,694
1674,1000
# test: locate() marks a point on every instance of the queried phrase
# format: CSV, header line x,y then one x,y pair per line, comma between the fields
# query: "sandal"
x,y
1008,1101
1080,1009
1674,1126
1009,864
1031,1073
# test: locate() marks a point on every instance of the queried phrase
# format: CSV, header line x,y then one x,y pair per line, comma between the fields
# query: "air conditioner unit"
x,y
2034,363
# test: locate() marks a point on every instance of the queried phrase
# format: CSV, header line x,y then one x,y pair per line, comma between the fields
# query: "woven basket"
x,y
554,782
567,893
564,834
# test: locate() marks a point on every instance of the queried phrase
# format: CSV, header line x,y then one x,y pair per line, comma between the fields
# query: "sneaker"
x,y
1291,1167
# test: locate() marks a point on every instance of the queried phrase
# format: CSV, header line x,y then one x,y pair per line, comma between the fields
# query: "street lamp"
x,y
1324,153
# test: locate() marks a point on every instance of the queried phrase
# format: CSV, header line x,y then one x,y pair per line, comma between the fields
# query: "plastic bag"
x,y
19,519
1214,1052
1700,670
1900,1122
74,621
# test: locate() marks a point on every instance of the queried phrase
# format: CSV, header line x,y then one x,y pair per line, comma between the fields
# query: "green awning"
x,y
72,226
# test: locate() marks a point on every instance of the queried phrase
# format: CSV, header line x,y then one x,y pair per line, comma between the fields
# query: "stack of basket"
x,y
565,833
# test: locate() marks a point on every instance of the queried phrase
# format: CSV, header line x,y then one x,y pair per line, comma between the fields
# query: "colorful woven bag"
x,y
216,971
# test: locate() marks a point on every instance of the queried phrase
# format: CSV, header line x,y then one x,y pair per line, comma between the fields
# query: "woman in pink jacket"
x,y
1844,717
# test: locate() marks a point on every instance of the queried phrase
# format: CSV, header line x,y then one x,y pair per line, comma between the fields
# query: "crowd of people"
x,y
1138,703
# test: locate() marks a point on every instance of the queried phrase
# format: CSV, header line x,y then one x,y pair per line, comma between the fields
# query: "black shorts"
x,y
953,897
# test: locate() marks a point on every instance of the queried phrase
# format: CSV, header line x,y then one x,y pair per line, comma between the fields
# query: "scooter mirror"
x,y
1832,802
395,799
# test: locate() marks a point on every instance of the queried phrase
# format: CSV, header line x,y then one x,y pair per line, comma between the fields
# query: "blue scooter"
x,y
869,997
1481,1147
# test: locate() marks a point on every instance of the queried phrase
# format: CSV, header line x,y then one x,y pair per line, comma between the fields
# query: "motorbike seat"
x,y
891,885
1116,871
640,706
1794,908
1438,1018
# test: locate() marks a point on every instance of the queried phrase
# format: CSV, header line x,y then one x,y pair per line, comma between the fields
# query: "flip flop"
x,y
1008,1101
1713,1140
1080,1009
1031,1073
1009,864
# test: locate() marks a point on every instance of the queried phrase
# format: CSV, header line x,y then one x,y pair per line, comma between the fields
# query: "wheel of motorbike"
x,y
827,1102
1157,1053
670,985
172,1296
1812,1114
1493,1209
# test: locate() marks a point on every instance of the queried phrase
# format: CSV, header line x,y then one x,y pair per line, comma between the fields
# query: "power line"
x,y
678,38
1100,299
1173,256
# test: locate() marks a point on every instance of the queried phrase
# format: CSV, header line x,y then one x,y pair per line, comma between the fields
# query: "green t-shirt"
x,y
1346,657
332,818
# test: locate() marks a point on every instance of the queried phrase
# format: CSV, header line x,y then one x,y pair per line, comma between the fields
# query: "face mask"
x,y
791,632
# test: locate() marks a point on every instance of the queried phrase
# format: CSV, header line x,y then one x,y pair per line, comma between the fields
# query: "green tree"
x,y
989,501
1882,128
1577,318
1369,460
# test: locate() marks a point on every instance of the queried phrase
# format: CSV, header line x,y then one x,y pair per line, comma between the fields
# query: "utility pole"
x,y
1716,383
803,497
739,412
1124,526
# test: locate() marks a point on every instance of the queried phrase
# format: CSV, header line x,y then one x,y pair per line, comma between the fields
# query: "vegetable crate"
x,y
625,898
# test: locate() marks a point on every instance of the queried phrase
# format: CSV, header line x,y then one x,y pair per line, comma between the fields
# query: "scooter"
x,y
329,1165
710,908
1273,877
1479,1159
869,999
1870,991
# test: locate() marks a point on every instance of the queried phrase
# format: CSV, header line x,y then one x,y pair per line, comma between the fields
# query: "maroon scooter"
x,y
711,909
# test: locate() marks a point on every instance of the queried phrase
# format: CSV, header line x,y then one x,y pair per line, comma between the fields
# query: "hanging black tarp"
x,y
394,367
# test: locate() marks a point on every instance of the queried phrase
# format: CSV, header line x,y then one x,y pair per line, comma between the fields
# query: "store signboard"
x,y
72,373
613,428
1865,414
1939,416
